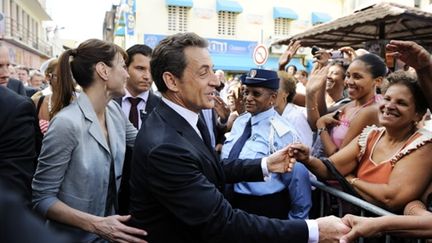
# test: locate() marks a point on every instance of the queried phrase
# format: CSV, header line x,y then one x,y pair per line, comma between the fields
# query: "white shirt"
x,y
126,105
295,116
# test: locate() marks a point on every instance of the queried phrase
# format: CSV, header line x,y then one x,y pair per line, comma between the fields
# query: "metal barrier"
x,y
360,203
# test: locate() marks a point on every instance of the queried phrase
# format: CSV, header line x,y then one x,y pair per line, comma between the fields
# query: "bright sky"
x,y
81,19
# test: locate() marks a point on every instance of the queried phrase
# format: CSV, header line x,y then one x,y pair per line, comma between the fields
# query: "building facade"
x,y
233,27
21,30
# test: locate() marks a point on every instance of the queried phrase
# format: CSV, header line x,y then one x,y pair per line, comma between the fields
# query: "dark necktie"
x,y
133,113
238,145
202,127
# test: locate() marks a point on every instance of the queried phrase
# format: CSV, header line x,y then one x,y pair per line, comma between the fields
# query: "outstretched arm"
x,y
412,226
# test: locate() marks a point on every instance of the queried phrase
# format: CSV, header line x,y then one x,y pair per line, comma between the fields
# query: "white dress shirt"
x,y
126,105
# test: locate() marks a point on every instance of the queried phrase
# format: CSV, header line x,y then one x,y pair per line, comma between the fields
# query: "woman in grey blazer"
x,y
78,175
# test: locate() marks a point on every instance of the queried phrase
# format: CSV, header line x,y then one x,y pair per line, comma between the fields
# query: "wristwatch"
x,y
322,129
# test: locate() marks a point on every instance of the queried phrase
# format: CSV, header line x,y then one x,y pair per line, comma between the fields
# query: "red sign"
x,y
260,55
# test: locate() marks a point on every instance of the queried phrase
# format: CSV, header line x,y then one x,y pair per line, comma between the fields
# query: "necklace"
x,y
49,104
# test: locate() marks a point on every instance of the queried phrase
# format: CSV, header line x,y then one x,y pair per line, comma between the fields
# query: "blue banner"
x,y
216,46
130,16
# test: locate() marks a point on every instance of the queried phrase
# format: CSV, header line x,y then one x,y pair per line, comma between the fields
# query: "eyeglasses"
x,y
52,75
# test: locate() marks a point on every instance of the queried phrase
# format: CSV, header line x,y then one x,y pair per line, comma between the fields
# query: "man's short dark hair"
x,y
137,49
168,56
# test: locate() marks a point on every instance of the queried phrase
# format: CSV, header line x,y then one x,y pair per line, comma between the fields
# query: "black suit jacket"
x,y
177,189
18,224
123,195
17,142
17,86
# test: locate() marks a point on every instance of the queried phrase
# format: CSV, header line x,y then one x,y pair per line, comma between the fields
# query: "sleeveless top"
x,y
338,133
43,124
380,172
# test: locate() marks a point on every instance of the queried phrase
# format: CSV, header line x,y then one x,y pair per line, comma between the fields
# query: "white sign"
x,y
260,55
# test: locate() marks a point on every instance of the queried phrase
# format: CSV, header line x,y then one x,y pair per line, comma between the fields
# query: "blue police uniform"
x,y
271,132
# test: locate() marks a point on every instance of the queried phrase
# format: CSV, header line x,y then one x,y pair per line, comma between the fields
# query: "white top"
x,y
295,116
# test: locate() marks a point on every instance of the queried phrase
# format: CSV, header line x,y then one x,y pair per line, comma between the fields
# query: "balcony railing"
x,y
20,33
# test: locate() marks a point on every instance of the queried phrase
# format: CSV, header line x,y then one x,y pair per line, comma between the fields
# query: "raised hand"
x,y
239,100
317,78
331,229
349,51
221,108
322,57
411,53
288,54
113,229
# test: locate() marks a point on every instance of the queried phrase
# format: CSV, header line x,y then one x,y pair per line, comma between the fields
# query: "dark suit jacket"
x,y
30,91
177,184
17,142
17,86
123,195
18,224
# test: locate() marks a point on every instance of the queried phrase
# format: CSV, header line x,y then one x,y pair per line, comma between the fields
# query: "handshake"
x,y
346,229
330,228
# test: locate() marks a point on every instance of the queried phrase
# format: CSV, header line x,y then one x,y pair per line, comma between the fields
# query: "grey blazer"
x,y
74,162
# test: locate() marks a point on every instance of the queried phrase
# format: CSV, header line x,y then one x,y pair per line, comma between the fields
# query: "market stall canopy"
x,y
379,22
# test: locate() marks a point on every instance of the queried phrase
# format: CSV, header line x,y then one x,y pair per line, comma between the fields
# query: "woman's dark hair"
x,y
401,77
169,56
374,64
78,64
292,65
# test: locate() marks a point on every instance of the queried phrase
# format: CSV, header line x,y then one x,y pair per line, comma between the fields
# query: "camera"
x,y
336,54
314,50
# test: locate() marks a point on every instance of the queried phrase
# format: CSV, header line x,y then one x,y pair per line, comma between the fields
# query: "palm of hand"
x,y
317,80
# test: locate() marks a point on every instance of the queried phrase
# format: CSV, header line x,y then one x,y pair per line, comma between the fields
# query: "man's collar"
x,y
144,95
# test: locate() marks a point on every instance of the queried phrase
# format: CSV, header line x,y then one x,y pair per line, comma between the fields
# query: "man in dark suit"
x,y
17,86
137,104
5,80
139,100
177,180
17,142
18,224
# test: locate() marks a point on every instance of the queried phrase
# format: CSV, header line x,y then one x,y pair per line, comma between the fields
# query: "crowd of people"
x,y
143,145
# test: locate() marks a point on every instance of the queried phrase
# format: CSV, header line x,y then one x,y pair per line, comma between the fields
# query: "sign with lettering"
x,y
216,46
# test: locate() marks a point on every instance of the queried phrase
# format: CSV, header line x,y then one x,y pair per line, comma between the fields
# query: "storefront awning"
x,y
318,18
284,13
228,6
180,3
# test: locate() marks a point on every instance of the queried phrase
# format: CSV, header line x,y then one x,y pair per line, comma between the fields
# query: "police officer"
x,y
257,133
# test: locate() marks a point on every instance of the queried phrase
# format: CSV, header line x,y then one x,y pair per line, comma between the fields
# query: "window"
x,y
227,23
281,26
177,18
